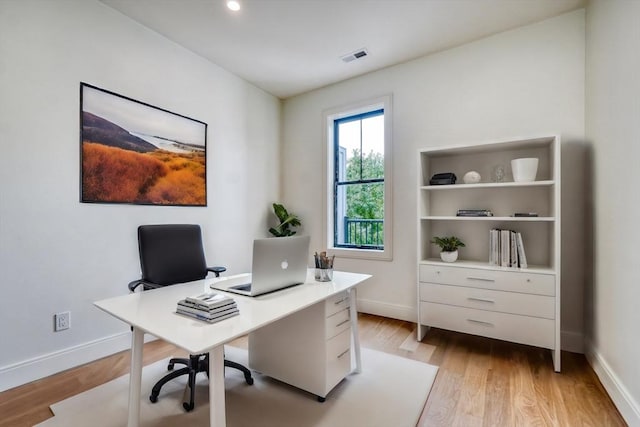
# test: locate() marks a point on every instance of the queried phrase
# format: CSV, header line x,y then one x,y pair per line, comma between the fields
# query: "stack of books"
x,y
474,212
506,249
211,307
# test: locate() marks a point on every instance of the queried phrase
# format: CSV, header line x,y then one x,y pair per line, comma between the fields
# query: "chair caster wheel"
x,y
153,398
170,367
321,399
187,406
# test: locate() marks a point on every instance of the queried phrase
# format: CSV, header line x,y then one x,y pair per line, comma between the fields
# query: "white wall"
x,y
528,81
57,254
612,116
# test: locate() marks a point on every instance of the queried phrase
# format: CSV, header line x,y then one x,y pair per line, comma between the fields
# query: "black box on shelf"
x,y
443,178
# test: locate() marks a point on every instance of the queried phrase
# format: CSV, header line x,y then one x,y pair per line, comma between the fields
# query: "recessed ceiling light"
x,y
233,5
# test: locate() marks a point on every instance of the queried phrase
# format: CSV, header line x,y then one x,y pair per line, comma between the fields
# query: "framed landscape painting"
x,y
132,152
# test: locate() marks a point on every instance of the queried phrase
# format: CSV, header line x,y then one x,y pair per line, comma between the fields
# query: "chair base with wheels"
x,y
195,364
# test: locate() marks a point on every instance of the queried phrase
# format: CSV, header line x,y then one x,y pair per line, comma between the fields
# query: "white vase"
x,y
524,170
449,256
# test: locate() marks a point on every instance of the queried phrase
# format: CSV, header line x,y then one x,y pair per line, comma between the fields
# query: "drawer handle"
x,y
481,299
340,301
343,353
482,279
480,322
343,322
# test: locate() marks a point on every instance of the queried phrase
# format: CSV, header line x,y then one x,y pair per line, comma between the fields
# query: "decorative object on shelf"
x,y
471,177
443,179
525,169
498,173
449,247
287,221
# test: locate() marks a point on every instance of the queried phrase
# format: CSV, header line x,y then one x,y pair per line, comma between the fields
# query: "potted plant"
x,y
287,221
448,247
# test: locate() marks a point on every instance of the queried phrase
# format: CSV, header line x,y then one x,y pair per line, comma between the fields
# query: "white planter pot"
x,y
524,170
449,256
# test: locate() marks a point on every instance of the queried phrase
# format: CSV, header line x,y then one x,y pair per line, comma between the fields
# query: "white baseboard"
x,y
626,404
393,311
48,364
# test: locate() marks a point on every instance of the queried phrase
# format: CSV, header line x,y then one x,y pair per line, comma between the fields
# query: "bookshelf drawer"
x,y
509,327
513,281
336,303
491,300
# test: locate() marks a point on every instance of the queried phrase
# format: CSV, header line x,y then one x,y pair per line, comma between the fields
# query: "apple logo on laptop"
x,y
284,264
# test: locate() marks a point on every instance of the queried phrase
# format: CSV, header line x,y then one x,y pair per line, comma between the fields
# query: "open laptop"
x,y
278,263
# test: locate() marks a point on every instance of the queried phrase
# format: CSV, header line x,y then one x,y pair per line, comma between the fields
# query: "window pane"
x,y
349,140
360,215
373,147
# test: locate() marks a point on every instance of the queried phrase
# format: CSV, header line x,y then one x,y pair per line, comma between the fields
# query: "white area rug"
x,y
391,391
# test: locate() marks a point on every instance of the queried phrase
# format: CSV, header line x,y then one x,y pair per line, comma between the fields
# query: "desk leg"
x,y
353,313
217,416
135,378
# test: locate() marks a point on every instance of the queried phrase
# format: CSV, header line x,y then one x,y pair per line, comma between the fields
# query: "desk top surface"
x,y
155,311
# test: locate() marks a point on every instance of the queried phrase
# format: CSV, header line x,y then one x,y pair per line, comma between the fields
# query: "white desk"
x,y
153,312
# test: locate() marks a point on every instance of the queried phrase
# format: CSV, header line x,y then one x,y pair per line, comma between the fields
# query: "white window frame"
x,y
328,118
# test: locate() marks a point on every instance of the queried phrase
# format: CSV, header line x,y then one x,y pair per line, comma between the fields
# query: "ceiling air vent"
x,y
358,54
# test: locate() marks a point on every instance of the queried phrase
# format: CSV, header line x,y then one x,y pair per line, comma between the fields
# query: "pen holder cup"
x,y
324,274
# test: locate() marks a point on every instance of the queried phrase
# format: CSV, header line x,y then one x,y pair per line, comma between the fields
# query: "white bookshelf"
x,y
470,295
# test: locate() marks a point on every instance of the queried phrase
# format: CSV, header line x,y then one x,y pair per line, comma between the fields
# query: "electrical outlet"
x,y
62,321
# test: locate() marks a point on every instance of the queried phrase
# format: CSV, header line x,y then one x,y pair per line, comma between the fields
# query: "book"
x,y
209,300
505,251
521,255
494,246
474,212
513,256
186,306
525,214
210,320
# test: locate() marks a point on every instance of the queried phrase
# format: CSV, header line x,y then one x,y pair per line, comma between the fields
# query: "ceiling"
x,y
288,47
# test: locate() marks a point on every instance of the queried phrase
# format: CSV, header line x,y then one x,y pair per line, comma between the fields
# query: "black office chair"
x,y
171,254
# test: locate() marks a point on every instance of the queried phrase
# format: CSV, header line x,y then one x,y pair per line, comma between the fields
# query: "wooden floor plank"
x,y
480,382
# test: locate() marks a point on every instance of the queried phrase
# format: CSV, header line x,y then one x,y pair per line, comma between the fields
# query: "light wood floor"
x,y
481,382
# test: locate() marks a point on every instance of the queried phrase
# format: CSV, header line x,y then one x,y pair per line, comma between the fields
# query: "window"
x,y
358,220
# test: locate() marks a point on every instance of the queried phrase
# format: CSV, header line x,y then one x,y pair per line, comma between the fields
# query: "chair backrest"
x,y
171,253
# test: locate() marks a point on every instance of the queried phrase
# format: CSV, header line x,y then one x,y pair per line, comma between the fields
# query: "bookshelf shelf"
x,y
490,218
524,302
483,185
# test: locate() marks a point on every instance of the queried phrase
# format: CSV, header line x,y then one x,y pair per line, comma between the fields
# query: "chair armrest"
x,y
217,270
148,285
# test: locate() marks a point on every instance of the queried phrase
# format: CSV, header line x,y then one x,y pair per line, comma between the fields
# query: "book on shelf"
x,y
522,258
474,212
525,214
209,300
506,249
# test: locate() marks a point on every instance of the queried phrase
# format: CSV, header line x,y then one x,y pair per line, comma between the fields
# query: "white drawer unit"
x,y
507,289
509,327
489,300
502,280
310,349
507,305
